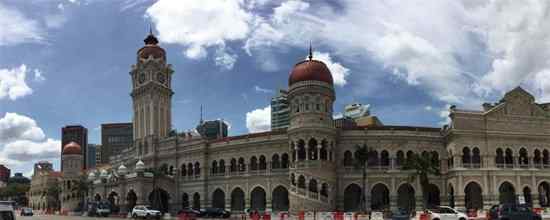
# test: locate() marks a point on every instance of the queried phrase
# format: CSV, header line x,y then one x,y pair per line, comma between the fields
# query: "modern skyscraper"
x,y
4,173
91,156
280,113
213,129
356,110
114,138
78,134
98,155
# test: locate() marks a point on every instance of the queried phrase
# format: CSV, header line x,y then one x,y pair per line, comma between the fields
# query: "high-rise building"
x,y
98,155
280,113
114,138
356,110
78,134
91,156
213,129
4,173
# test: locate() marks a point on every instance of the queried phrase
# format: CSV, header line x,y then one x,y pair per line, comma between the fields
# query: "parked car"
x,y
103,209
401,214
512,212
190,212
214,213
446,213
146,212
26,212
7,212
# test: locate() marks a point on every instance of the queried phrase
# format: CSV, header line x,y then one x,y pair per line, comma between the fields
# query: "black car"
x,y
214,213
190,212
26,212
512,212
401,214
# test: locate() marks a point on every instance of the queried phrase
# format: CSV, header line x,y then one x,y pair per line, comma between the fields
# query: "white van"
x,y
6,212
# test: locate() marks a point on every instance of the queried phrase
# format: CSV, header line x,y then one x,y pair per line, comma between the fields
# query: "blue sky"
x,y
67,61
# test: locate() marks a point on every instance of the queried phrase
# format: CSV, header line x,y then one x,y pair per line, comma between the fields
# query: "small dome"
x,y
103,174
140,166
310,69
122,169
91,176
72,148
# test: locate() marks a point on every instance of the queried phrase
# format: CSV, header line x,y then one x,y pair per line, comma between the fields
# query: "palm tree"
x,y
362,154
423,165
81,189
52,194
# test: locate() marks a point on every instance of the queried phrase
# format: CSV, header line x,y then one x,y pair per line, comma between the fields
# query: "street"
x,y
60,217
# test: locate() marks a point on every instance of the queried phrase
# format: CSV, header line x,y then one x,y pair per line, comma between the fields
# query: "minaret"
x,y
151,92
312,136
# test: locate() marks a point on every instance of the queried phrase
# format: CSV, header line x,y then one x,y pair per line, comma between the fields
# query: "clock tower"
x,y
151,92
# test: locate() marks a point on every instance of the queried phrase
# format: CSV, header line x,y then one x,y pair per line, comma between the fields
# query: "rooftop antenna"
x,y
310,56
201,114
150,29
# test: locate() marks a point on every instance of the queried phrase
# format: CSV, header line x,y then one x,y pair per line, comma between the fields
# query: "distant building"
x,y
4,173
78,134
98,155
91,156
356,110
42,180
280,112
213,129
19,178
115,137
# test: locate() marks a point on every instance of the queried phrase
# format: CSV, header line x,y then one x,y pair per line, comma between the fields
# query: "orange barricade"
x,y
338,216
301,215
266,216
255,216
424,216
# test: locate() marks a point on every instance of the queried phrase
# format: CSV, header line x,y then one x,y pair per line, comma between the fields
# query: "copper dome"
x,y
151,48
310,70
72,148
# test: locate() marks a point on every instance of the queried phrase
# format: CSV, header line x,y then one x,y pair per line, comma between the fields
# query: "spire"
x,y
150,29
151,39
201,116
310,56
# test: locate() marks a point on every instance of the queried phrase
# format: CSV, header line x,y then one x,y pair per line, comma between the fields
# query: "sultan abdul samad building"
x,y
497,154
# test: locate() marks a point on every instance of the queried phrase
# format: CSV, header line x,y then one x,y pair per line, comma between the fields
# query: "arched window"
x,y
313,186
499,159
242,165
275,163
324,190
374,160
509,158
399,158
545,158
183,170
537,160
221,167
410,155
523,161
466,157
476,158
233,165
253,163
301,150
384,159
301,182
214,167
435,158
324,152
293,179
197,169
189,169
263,164
284,161
312,149
348,159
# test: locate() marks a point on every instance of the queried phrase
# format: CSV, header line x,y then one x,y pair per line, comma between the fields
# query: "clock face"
x,y
141,77
160,78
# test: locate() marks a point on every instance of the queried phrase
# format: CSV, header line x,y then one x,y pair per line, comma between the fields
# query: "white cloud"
x,y
55,20
12,83
23,142
15,127
200,24
339,72
224,58
38,76
17,28
259,120
428,108
262,90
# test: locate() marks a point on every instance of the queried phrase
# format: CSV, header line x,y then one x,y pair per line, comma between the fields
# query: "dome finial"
x,y
150,29
310,56
151,39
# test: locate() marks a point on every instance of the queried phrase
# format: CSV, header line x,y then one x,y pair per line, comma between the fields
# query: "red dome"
x,y
151,49
310,70
72,148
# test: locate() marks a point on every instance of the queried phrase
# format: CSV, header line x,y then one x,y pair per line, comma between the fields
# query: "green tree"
x,y
80,187
421,167
53,192
362,154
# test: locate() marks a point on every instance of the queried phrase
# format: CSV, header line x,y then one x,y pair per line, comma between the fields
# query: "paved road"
x,y
57,217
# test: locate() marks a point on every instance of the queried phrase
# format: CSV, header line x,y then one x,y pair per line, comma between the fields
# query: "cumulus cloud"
x,y
12,83
23,141
259,120
38,76
17,28
15,127
225,59
339,72
200,24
